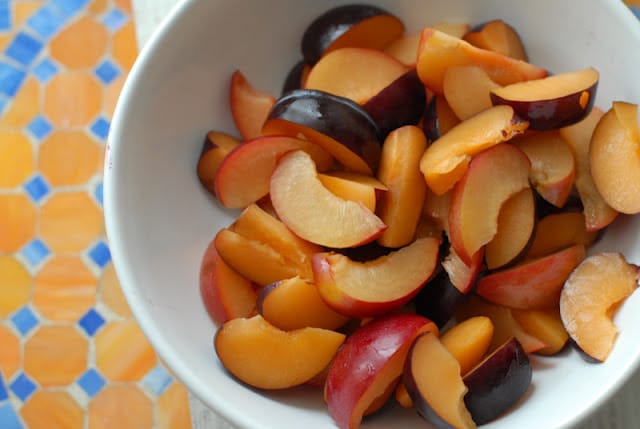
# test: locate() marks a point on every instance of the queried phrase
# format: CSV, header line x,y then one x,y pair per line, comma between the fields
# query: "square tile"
x,y
22,386
98,193
107,72
45,70
23,49
68,8
35,252
3,389
11,79
5,15
37,188
91,322
158,379
91,382
101,128
8,417
114,20
24,320
100,254
40,127
46,21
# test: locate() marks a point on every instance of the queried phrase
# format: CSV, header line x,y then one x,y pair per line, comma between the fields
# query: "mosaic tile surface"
x,y
71,354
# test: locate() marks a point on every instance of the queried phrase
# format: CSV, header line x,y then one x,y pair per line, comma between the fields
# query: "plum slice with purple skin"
x,y
552,102
402,102
337,124
354,25
498,382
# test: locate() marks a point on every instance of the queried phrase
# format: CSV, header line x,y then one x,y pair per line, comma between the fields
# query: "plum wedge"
x,y
590,296
314,213
363,289
249,106
338,125
447,159
552,102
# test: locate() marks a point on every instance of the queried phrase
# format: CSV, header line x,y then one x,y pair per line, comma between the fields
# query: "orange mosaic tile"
x,y
78,110
24,108
52,409
172,414
69,158
70,222
111,293
16,159
71,353
64,289
56,355
17,222
81,44
124,49
16,285
10,354
122,406
122,351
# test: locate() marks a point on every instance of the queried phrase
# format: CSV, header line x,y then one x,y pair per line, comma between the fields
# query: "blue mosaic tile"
x,y
91,322
35,252
68,8
107,72
5,15
3,389
100,254
158,379
98,193
4,102
10,79
37,188
45,70
40,127
46,21
22,386
636,11
101,128
91,382
8,417
24,320
114,20
23,49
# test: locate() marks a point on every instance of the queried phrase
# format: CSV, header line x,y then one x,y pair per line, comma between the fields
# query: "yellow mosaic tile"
x,y
81,44
70,222
52,409
122,406
16,159
69,158
71,353
10,354
65,111
16,285
122,352
64,289
17,222
56,355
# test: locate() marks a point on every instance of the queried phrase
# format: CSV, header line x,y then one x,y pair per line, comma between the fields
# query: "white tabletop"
x,y
621,412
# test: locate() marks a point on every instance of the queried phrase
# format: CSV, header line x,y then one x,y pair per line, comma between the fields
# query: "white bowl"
x,y
159,218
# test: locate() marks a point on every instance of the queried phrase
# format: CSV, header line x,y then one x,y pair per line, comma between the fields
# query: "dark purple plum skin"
x,y
337,117
401,103
431,122
293,80
438,299
328,27
551,114
497,383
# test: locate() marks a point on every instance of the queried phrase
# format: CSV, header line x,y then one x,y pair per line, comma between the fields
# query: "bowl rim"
x,y
125,270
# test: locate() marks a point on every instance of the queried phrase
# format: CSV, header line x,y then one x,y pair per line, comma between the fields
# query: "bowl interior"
x,y
159,219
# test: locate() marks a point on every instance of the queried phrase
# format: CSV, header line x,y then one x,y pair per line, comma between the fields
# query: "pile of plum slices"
x,y
416,214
